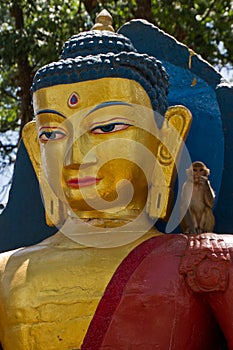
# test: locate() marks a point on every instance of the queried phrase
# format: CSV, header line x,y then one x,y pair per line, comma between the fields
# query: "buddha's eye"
x,y
51,135
109,128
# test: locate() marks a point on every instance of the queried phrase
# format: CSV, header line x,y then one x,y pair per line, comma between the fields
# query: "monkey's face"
x,y
199,173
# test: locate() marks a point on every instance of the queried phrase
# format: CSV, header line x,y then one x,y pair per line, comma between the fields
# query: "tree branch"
x,y
7,148
24,69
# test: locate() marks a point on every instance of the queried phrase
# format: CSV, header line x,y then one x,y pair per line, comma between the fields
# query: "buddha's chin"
x,y
103,197
88,199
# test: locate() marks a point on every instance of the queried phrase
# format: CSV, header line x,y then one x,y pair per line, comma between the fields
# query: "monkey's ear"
x,y
173,133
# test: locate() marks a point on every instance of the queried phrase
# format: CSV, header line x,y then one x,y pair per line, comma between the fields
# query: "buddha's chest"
x,y
48,301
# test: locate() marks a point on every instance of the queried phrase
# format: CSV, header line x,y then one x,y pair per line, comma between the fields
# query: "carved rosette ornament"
x,y
206,263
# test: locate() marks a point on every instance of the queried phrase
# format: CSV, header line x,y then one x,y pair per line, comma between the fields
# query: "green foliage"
x,y
9,100
203,25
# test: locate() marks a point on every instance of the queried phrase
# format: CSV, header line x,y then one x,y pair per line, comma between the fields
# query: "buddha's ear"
x,y
55,211
31,142
173,134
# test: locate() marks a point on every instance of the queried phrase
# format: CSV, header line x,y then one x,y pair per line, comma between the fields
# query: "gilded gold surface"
x,y
91,93
164,145
111,157
103,21
173,135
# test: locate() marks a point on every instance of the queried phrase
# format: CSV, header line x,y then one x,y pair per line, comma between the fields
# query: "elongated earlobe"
x,y
173,133
55,210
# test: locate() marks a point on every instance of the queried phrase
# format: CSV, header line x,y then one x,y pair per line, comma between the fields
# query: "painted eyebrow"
x,y
107,104
102,105
51,127
50,111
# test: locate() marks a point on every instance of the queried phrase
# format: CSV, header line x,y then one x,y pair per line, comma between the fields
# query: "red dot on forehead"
x,y
73,100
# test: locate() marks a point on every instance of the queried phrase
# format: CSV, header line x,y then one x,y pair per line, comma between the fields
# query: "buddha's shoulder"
x,y
189,253
48,250
166,244
202,244
203,261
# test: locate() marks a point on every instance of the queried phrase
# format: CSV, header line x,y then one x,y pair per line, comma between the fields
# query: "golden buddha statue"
x,y
104,147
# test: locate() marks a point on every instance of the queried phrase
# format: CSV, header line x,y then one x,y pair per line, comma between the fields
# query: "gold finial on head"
x,y
103,21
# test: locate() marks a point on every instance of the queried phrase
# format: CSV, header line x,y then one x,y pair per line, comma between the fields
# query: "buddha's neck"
x,y
108,229
109,214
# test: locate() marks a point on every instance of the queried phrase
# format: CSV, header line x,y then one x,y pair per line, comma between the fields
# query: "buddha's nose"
x,y
79,153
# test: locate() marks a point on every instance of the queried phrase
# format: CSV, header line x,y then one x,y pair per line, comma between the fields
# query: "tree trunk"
x,y
90,6
144,10
24,70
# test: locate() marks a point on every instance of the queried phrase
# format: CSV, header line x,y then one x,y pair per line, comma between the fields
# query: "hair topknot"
x,y
94,42
100,54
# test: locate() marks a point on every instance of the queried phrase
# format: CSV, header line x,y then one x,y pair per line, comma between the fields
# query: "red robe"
x,y
169,293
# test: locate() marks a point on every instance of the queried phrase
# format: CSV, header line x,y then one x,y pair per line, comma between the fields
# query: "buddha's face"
x,y
96,138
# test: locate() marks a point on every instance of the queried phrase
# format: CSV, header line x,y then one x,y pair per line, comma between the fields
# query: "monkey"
x,y
198,196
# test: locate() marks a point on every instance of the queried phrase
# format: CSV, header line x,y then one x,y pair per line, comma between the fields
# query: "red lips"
x,y
82,182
